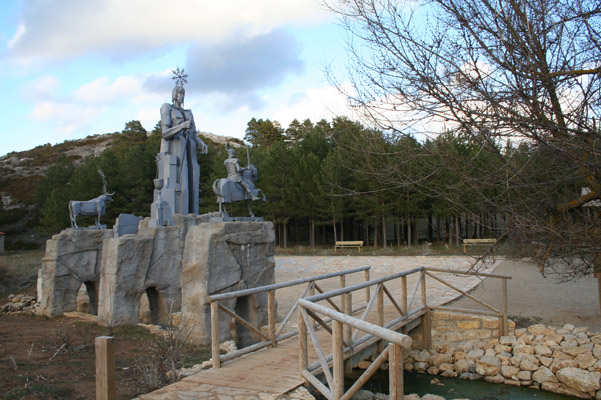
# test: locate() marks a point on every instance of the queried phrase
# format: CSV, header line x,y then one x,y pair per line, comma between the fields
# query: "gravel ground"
x,y
532,298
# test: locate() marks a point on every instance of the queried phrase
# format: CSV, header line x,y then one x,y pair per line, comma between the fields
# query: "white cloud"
x,y
59,29
66,117
41,88
102,90
315,104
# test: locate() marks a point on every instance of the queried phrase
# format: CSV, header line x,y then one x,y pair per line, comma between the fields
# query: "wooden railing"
x,y
273,336
342,349
348,348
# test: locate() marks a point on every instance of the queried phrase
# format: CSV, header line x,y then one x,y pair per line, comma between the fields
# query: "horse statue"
x,y
95,207
238,186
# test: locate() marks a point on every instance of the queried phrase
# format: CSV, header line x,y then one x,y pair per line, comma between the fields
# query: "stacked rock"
x,y
564,361
19,302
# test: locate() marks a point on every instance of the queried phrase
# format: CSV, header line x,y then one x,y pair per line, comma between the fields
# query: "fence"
x,y
273,336
349,347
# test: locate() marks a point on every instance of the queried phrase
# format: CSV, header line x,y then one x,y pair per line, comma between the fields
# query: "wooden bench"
x,y
472,242
344,244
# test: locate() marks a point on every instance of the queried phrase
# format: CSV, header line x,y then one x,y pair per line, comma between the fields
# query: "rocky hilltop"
x,y
20,173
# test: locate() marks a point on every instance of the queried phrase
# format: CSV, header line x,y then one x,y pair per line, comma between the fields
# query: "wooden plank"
x,y
105,368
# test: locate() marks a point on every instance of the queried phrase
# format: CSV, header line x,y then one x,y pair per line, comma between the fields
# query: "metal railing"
x,y
273,336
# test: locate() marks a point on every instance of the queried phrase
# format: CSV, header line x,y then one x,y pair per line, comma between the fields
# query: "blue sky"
x,y
73,68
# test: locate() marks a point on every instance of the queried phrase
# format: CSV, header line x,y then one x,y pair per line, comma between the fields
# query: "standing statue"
x,y
176,162
238,185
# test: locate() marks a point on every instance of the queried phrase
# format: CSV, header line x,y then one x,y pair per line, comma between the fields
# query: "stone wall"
x,y
451,327
565,361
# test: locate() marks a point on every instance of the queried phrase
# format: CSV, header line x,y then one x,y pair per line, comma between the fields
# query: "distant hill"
x,y
21,171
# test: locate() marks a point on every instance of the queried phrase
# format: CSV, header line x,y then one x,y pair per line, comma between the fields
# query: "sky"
x,y
73,68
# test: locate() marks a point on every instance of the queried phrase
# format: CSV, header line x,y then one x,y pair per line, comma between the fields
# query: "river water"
x,y
454,388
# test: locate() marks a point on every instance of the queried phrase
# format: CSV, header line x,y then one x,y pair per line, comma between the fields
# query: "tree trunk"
x,y
409,233
457,230
430,229
312,233
335,232
376,232
384,238
285,234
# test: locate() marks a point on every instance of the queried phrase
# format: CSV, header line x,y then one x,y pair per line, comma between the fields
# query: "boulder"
x,y
579,379
544,374
488,366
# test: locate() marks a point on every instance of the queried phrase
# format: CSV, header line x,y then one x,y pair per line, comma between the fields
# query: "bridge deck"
x,y
264,374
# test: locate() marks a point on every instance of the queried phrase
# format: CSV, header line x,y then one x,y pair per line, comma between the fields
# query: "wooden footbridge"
x,y
324,335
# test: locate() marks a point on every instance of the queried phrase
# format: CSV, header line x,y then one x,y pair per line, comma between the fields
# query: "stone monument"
x,y
176,258
178,171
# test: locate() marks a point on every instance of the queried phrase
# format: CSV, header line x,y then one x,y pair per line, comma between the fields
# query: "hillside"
x,y
20,173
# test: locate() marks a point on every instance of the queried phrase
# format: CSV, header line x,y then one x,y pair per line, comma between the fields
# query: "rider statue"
x,y
235,173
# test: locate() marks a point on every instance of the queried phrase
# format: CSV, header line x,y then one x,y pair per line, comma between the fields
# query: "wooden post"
x,y
303,356
348,330
504,327
367,295
426,318
395,372
105,368
337,361
380,316
215,334
404,299
342,285
271,316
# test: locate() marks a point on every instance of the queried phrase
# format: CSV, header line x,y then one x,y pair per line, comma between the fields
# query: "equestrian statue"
x,y
239,184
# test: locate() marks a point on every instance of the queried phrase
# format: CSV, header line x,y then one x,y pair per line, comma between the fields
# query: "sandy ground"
x,y
542,299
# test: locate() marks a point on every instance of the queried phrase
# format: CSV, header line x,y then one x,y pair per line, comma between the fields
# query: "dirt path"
x,y
538,299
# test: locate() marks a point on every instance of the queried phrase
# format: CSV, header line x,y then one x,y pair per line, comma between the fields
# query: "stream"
x,y
452,388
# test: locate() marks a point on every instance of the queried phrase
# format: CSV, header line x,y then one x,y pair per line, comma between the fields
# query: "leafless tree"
x,y
516,79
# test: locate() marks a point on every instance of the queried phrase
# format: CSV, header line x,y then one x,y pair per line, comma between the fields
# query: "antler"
x,y
104,185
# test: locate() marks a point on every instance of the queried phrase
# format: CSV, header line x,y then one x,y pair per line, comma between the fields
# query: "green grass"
x,y
18,270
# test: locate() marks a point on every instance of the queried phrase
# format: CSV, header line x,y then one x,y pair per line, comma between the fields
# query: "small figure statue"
x,y
176,162
238,185
95,207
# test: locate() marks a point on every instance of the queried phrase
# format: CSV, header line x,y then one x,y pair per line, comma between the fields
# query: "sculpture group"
x,y
175,258
177,186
